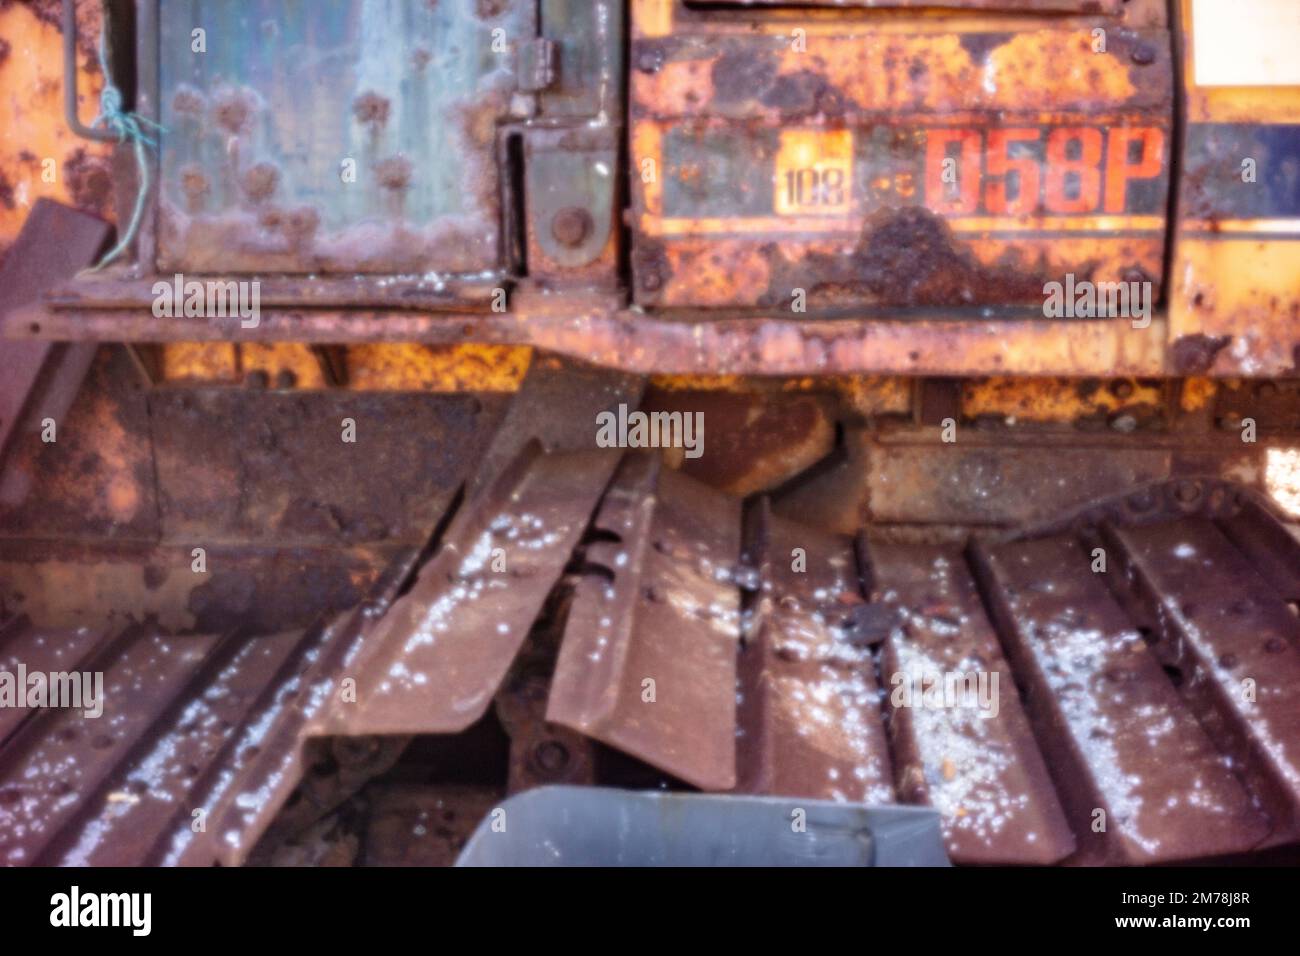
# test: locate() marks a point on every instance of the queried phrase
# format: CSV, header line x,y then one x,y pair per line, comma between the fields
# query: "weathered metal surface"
x,y
1271,548
1162,501
1234,305
266,758
867,165
426,292
42,650
207,467
150,793
252,183
434,661
264,589
648,663
261,738
1116,734
557,405
747,442
417,825
96,477
971,482
571,193
588,38
1235,647
1229,314
964,749
202,742
41,379
62,757
683,343
809,715
1096,403
293,521
384,467
39,156
1274,406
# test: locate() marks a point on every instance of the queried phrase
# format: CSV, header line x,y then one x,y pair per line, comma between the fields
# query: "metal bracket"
x,y
539,64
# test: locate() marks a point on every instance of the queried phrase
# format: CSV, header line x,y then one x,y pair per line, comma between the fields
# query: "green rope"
x,y
128,126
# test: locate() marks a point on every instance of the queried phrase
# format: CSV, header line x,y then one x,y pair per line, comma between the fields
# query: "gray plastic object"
x,y
591,826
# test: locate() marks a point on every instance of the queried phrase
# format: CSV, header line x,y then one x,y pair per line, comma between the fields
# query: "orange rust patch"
x,y
452,368
1056,399
32,118
1197,393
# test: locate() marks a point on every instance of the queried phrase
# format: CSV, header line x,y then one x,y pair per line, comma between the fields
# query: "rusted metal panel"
x,y
1234,304
60,759
687,342
264,759
972,756
96,478
970,482
384,467
1236,648
1268,544
164,464
251,179
1098,402
557,405
862,165
588,38
71,583
41,379
150,793
1117,736
835,497
40,157
1274,406
648,663
755,442
809,714
435,660
428,292
39,650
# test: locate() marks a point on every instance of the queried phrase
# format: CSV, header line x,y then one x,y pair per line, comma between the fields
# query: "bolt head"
x,y
571,226
1144,54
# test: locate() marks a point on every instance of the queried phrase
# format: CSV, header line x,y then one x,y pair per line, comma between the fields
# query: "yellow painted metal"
x,y
1055,399
1234,290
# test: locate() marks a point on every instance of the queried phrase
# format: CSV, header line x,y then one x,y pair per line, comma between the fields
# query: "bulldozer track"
x,y
1136,714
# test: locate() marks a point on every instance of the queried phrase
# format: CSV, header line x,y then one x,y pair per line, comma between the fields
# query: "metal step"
x,y
1140,778
969,754
648,663
1236,646
810,723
